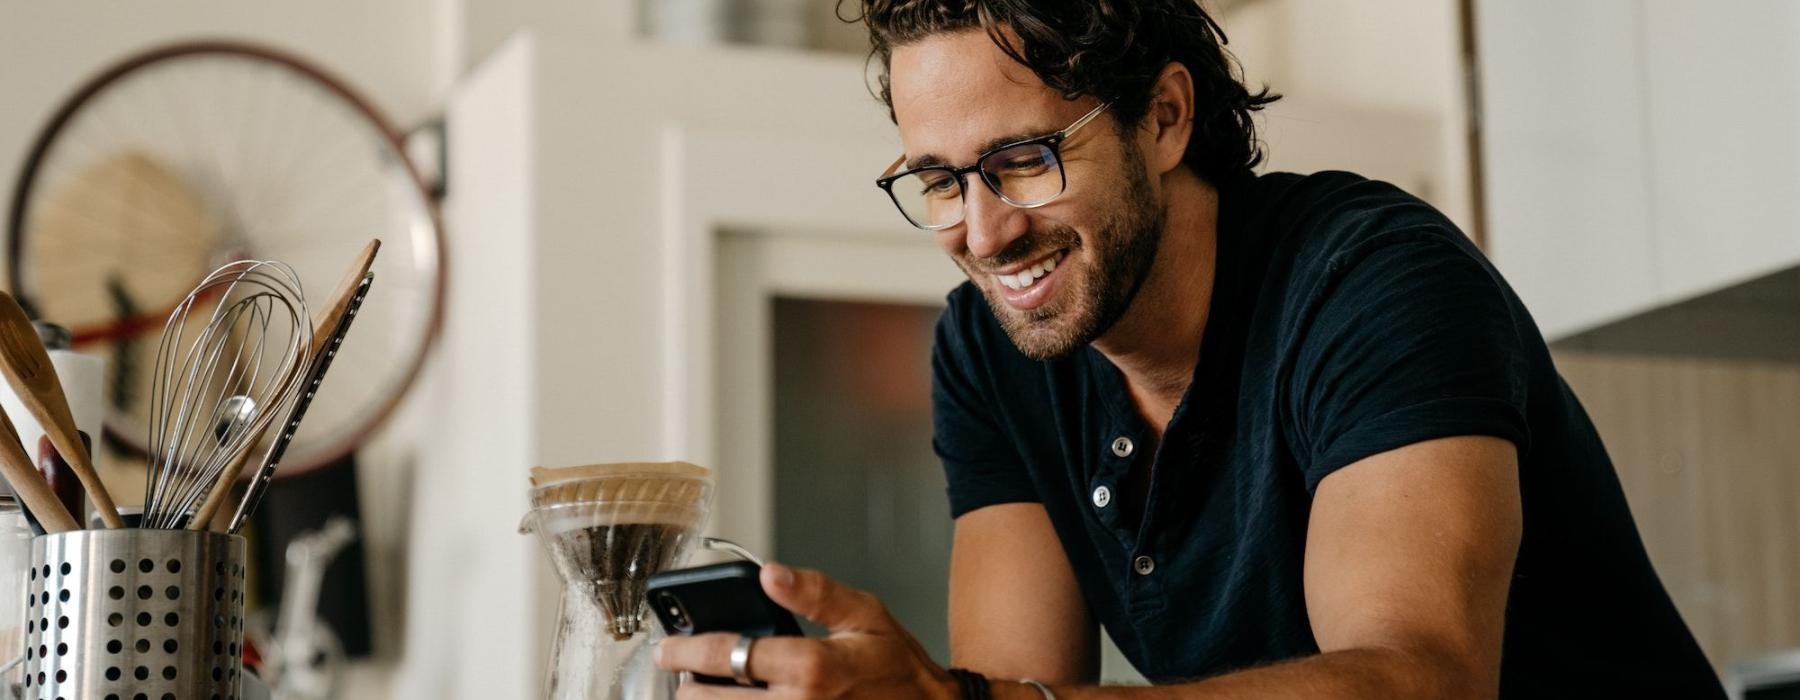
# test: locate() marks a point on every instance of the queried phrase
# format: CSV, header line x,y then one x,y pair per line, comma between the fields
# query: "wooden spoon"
x,y
28,371
324,322
29,483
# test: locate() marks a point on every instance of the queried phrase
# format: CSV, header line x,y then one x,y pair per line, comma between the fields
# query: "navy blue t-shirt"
x,y
1348,319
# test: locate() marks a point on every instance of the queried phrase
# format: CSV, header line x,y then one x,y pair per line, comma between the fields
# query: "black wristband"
x,y
974,685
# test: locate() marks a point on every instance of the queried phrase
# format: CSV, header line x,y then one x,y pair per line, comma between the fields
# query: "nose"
x,y
990,223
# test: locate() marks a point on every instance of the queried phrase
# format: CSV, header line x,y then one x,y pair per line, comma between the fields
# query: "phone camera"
x,y
677,615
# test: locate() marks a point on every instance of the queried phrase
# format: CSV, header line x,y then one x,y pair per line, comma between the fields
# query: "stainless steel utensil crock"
x,y
135,613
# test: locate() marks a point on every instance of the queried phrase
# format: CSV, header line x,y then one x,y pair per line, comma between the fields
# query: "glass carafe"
x,y
15,557
607,535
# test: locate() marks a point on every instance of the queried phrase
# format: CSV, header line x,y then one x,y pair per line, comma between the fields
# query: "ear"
x,y
1169,122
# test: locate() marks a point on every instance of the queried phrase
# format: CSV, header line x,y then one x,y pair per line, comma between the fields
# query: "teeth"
x,y
1029,276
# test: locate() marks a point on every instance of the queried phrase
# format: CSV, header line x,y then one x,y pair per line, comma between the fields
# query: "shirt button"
x,y
1143,565
1123,447
1102,497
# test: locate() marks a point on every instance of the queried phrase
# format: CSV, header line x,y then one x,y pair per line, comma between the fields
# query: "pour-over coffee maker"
x,y
608,528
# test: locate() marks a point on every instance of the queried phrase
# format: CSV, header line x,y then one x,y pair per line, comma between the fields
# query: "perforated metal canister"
x,y
135,614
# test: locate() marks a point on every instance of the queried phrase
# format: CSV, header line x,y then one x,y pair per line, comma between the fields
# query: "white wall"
x,y
1373,87
1385,52
484,25
1567,158
465,545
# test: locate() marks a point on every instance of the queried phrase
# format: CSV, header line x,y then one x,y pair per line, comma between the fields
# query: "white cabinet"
x,y
1723,100
1638,152
1568,199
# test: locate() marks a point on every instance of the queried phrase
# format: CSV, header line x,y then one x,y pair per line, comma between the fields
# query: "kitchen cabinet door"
x,y
1723,91
1566,162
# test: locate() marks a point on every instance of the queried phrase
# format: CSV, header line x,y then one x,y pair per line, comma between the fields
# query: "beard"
x,y
1120,251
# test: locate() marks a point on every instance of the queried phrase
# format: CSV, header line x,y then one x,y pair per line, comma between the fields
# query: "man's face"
x,y
1056,276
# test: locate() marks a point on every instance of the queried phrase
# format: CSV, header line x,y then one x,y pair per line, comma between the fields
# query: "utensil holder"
x,y
135,614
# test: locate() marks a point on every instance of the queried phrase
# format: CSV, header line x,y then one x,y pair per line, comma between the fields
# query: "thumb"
x,y
813,595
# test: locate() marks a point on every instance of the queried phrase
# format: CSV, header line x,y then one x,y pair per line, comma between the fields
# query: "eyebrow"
x,y
933,159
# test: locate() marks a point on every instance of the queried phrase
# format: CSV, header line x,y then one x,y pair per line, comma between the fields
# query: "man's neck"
x,y
1156,343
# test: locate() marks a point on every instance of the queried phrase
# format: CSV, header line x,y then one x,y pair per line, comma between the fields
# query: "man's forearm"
x,y
1350,673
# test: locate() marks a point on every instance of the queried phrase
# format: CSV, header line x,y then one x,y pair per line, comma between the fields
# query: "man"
x,y
1280,435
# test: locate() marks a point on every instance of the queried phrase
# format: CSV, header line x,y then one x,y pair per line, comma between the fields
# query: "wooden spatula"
x,y
325,319
28,371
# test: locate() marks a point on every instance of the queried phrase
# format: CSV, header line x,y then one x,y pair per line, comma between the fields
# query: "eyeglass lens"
x,y
1026,175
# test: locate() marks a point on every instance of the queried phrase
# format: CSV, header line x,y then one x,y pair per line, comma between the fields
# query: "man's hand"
x,y
867,653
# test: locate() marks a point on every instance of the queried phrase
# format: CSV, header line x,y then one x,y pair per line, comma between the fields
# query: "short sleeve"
x,y
1412,338
981,465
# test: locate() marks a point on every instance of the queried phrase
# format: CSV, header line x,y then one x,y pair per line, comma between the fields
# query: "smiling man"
x,y
1279,435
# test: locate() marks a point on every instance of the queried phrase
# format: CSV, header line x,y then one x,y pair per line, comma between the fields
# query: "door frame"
x,y
749,218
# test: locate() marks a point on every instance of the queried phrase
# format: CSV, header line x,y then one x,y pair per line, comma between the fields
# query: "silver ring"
x,y
740,660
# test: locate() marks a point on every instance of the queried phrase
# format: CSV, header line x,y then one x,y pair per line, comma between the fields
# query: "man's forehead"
x,y
955,93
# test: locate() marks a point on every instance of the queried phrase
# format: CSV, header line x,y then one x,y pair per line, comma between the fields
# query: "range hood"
x,y
1754,320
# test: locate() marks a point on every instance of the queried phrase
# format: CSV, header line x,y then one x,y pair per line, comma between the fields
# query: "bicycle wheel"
x,y
182,158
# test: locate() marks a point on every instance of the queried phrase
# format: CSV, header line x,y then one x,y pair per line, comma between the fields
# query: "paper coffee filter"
x,y
677,484
543,476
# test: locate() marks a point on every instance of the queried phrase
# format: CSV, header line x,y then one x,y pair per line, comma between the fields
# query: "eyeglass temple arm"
x,y
1083,121
1090,116
894,168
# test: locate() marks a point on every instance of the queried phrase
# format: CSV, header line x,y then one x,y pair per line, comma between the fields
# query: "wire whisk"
x,y
215,393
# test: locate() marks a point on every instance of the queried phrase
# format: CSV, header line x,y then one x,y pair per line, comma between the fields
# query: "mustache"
x,y
1027,247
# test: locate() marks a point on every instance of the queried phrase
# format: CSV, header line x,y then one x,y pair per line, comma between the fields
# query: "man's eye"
x,y
938,186
1024,165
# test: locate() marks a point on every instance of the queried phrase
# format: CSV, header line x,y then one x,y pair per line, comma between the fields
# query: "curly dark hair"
x,y
1109,49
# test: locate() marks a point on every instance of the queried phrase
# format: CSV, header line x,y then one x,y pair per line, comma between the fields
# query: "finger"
x,y
702,653
775,660
788,661
691,690
815,596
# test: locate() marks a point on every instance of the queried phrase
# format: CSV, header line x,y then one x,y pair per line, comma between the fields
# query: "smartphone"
x,y
718,598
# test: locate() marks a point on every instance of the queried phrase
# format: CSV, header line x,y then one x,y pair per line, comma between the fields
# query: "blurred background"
x,y
645,229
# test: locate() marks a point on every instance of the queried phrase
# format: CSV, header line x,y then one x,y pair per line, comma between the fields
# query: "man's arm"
x,y
1015,608
1409,558
1408,561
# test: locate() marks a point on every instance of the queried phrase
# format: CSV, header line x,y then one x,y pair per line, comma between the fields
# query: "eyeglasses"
x,y
1026,174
